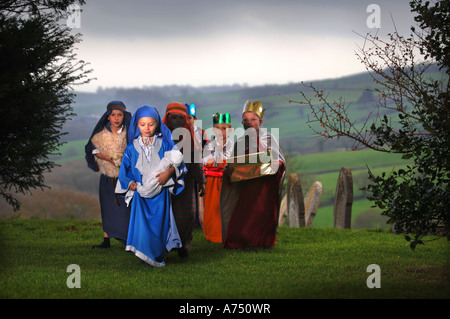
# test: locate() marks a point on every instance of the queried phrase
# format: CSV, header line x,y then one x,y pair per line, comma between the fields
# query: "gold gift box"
x,y
250,166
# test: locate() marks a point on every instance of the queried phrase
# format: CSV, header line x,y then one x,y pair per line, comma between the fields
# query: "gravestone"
x,y
283,211
343,199
295,203
312,201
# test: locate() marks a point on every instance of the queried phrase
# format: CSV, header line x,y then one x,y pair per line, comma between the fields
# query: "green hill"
x,y
290,118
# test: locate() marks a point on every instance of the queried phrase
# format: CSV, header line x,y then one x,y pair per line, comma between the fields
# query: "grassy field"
x,y
305,263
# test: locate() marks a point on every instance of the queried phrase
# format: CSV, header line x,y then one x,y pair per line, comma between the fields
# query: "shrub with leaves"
x,y
410,118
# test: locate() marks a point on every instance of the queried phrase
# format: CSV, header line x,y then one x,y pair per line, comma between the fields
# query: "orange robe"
x,y
212,220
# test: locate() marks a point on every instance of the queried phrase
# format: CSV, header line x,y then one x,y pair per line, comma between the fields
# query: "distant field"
x,y
71,151
325,168
326,161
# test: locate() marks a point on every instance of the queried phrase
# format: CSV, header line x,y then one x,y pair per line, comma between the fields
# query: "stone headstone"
x,y
295,203
283,211
312,201
343,199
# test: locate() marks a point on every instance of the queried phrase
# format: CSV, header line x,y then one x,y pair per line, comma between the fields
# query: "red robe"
x,y
250,207
254,220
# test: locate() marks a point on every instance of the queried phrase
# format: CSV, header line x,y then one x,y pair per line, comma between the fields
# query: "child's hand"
x,y
133,186
201,189
228,170
117,159
105,158
163,177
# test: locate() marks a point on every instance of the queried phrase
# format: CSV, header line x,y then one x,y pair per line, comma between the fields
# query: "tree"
x,y
37,71
411,118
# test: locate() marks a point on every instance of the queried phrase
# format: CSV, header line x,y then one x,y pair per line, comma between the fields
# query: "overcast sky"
x,y
138,43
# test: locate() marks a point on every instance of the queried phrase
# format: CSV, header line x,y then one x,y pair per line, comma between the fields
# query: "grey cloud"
x,y
193,18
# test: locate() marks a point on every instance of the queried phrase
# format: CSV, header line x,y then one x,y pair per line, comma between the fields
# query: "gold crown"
x,y
255,107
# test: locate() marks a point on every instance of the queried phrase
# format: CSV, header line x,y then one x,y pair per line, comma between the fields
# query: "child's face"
x,y
191,120
116,118
222,129
147,126
250,119
176,120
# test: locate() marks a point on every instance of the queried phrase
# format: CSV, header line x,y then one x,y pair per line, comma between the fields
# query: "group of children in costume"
x,y
152,192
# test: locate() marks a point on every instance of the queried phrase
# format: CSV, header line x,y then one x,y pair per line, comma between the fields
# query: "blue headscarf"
x,y
149,111
192,110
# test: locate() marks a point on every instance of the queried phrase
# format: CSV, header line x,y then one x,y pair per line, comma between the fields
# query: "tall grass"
x,y
305,263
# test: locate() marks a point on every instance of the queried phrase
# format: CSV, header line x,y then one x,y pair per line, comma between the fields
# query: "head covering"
x,y
101,124
180,108
104,122
116,105
222,118
148,111
255,107
191,110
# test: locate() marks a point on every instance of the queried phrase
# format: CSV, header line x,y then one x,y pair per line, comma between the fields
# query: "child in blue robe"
x,y
152,229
